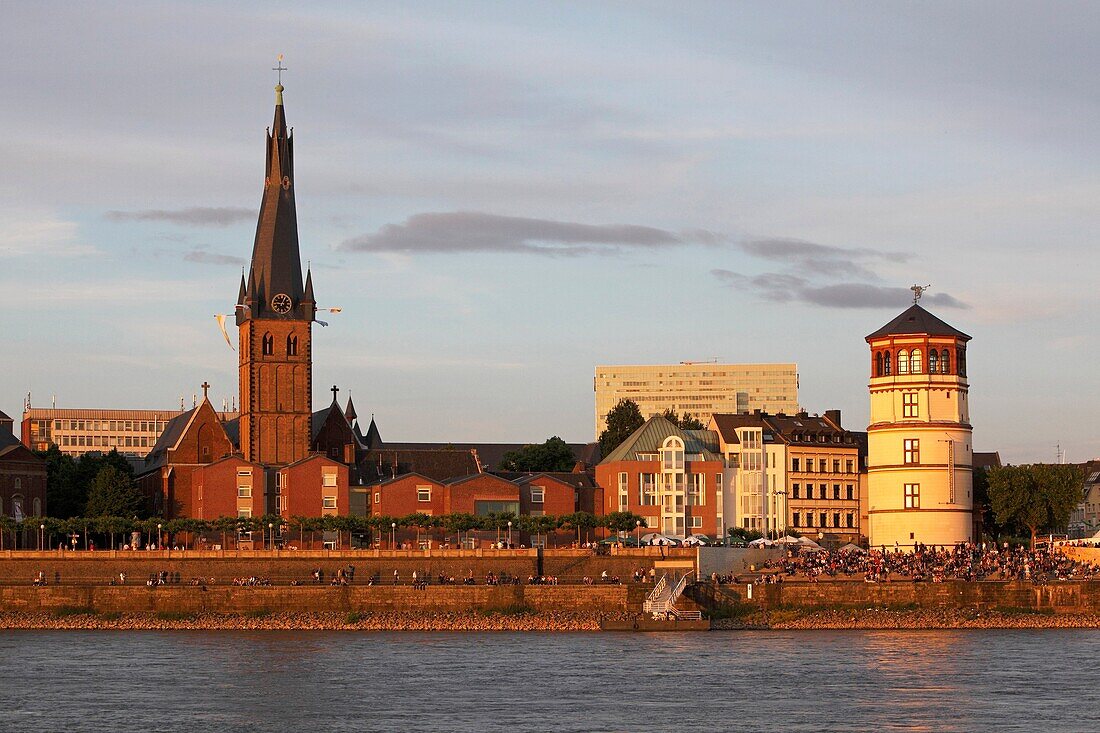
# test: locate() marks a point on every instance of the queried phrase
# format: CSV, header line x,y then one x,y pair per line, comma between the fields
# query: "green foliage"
x,y
553,455
744,535
69,480
1035,497
175,615
63,611
353,617
622,521
113,494
512,609
622,420
687,422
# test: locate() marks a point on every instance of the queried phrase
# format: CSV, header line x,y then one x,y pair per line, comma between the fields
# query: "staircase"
x,y
661,601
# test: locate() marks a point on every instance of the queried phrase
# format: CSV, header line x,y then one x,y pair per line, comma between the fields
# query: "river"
x,y
730,681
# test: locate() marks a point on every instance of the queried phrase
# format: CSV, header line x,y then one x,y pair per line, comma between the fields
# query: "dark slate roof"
x,y
158,455
578,480
5,416
916,320
233,431
8,439
373,439
987,460
489,454
317,420
649,437
438,464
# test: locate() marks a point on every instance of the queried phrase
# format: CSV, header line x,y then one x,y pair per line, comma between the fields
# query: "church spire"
x,y
275,278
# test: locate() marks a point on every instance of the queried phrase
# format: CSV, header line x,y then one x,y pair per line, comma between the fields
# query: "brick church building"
x,y
279,456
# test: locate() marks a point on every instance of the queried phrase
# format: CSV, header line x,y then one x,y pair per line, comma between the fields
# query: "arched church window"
x,y
292,345
915,365
37,507
945,362
269,344
903,362
878,364
886,364
933,361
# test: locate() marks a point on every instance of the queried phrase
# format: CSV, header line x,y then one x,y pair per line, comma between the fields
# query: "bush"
x,y
512,609
258,613
353,618
175,615
63,611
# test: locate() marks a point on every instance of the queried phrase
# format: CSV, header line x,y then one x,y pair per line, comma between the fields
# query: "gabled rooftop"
x,y
652,434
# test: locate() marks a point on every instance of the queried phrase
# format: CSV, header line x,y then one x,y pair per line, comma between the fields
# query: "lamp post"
x,y
393,535
509,533
638,532
160,540
41,536
271,534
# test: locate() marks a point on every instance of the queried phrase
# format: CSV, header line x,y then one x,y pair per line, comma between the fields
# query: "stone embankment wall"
x,y
607,599
101,567
1062,597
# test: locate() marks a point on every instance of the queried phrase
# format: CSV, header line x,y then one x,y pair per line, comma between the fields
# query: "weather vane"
x,y
279,68
918,290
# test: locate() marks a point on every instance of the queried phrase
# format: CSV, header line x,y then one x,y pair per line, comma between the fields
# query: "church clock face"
x,y
281,303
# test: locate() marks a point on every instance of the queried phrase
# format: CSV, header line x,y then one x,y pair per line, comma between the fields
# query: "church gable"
x,y
203,439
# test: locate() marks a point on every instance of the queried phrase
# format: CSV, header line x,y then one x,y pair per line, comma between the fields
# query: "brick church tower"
x,y
275,315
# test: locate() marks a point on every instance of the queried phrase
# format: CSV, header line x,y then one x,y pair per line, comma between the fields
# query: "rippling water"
x,y
736,681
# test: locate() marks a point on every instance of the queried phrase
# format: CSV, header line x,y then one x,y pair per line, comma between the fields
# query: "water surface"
x,y
731,681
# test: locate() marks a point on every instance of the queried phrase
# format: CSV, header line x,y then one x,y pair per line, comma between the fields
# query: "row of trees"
x,y
155,530
1028,499
92,485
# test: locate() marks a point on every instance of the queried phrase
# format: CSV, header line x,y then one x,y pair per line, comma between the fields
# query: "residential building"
x,y
670,476
698,388
1085,519
786,473
920,455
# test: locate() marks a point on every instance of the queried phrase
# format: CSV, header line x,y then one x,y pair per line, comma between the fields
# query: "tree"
x,y
687,422
1034,497
63,498
620,522
581,522
553,455
113,494
623,419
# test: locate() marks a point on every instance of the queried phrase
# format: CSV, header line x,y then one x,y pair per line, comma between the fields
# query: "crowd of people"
x,y
929,563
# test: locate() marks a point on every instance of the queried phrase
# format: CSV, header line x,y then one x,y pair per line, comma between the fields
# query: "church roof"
x,y
916,320
439,465
4,416
276,266
173,431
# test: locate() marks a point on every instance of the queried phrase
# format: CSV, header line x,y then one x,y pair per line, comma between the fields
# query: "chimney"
x,y
833,416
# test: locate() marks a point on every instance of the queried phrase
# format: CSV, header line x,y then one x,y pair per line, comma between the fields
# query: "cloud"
x,y
211,258
784,288
821,259
25,233
472,231
195,216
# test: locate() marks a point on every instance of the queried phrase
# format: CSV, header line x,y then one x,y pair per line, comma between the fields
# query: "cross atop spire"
x,y
205,389
334,390
278,68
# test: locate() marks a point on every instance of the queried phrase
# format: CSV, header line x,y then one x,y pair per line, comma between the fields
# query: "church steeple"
x,y
275,275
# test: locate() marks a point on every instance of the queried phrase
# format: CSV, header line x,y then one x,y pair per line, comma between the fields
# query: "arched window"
x,y
18,483
903,362
17,507
915,365
960,361
886,363
945,362
37,507
672,455
933,361
269,344
878,364
292,345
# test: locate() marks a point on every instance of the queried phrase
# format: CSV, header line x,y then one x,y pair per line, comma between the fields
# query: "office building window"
x,y
912,496
909,404
912,450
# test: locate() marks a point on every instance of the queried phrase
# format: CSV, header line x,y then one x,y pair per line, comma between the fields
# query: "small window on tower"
x,y
292,345
269,344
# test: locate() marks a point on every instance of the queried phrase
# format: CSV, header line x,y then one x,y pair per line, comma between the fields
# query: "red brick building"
x,y
316,486
672,477
212,499
22,477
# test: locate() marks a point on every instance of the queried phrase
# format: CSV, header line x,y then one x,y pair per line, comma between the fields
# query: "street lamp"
x,y
160,540
509,533
271,534
41,536
638,532
393,535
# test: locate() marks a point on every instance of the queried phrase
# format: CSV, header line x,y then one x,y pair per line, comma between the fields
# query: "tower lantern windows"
x,y
915,366
878,364
903,362
886,364
945,362
933,361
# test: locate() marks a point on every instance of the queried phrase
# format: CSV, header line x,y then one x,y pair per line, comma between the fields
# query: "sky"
x,y
501,196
